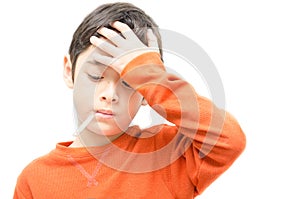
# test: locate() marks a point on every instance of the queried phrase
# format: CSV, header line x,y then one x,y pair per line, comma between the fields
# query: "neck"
x,y
90,139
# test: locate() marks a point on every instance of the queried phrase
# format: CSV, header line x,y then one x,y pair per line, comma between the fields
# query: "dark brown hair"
x,y
102,16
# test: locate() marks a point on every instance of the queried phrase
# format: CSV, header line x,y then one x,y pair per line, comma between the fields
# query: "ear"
x,y
67,74
144,102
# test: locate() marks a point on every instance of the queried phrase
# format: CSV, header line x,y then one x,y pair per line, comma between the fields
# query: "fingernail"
x,y
93,39
113,23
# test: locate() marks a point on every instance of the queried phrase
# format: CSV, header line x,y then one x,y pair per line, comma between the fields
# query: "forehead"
x,y
87,58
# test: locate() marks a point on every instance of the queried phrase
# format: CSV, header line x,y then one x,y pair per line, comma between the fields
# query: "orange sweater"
x,y
163,161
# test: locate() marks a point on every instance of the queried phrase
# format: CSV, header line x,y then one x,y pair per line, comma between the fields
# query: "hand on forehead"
x,y
121,48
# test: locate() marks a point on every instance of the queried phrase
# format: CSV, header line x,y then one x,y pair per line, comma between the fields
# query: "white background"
x,y
255,46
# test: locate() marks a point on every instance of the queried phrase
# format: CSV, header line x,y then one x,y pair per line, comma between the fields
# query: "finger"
x,y
106,60
152,40
124,29
104,45
113,36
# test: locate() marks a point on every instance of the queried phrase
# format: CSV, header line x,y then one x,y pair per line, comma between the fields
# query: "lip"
x,y
104,114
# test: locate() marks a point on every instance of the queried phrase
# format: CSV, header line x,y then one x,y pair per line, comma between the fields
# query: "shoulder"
x,y
26,177
34,166
155,137
159,132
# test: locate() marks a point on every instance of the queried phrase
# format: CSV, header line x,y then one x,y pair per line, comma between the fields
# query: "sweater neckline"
x,y
63,149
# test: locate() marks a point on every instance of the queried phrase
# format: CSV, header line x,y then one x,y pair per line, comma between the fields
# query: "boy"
x,y
114,67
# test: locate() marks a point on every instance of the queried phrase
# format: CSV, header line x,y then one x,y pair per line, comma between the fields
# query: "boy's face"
x,y
98,90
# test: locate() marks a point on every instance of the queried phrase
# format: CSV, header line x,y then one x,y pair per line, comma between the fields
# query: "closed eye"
x,y
126,84
95,77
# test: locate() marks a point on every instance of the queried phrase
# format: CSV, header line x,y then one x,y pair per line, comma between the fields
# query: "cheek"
x,y
127,107
128,104
83,96
134,103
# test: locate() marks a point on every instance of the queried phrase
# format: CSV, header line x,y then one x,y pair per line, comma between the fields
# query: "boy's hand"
x,y
121,49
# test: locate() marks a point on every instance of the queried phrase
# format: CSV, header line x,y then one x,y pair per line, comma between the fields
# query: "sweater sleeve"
x,y
216,137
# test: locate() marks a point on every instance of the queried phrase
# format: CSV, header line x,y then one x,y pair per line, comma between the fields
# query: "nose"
x,y
108,93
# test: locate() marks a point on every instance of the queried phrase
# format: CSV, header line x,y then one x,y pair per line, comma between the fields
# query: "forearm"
x,y
215,133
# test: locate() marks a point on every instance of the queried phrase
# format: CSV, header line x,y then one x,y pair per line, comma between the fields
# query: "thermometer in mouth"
x,y
84,124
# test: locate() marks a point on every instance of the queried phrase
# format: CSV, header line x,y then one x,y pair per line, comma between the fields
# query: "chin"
x,y
109,133
111,128
106,131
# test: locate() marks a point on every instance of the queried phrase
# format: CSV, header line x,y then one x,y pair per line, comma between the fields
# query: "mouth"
x,y
104,114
